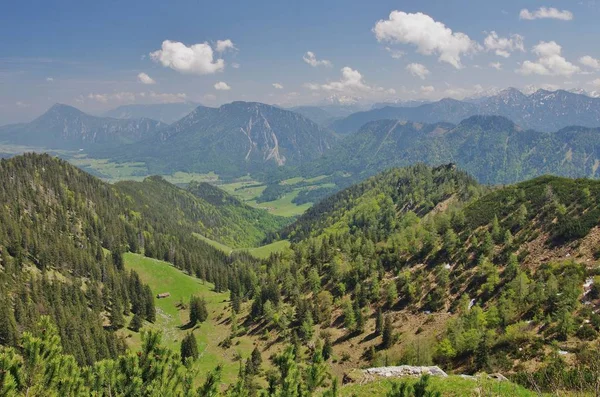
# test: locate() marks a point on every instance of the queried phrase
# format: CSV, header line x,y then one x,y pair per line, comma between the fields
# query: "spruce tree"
x,y
189,347
198,310
387,336
379,322
136,323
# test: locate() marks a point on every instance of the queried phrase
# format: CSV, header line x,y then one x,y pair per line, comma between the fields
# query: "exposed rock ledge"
x,y
404,370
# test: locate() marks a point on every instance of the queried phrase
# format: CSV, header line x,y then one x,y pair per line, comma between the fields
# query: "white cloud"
x,y
312,86
351,80
503,46
167,98
145,79
496,65
235,65
429,36
222,86
350,85
312,60
277,86
196,59
550,62
418,70
134,97
22,105
546,13
396,54
224,45
427,89
590,62
595,83
49,79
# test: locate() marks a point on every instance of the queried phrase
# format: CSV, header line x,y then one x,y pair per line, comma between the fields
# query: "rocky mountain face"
x,y
167,113
236,138
542,110
491,148
65,127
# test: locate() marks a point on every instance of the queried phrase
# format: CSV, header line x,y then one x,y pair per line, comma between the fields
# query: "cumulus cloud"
x,y
418,70
351,85
590,62
49,79
145,79
503,46
546,13
312,60
496,65
427,89
235,65
429,36
195,59
277,86
351,80
550,62
222,86
224,45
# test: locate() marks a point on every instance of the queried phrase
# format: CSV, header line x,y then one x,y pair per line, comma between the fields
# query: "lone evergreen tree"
x,y
198,311
189,347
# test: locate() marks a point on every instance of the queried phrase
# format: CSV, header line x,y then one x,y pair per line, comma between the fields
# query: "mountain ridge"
x,y
542,110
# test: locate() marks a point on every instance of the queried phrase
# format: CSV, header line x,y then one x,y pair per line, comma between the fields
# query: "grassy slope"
x,y
162,277
259,252
450,386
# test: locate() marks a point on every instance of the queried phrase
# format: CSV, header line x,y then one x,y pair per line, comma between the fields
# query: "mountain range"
x,y
233,139
492,148
167,113
65,127
543,110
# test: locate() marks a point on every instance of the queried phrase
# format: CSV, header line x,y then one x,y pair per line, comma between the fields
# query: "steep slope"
x,y
491,148
65,127
164,112
234,139
542,110
57,226
214,213
421,265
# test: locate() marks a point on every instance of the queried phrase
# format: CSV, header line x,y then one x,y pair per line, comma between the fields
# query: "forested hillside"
x,y
418,265
65,127
492,149
206,210
421,265
232,140
62,233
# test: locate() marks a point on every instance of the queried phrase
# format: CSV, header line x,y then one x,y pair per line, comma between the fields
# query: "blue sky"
x,y
96,55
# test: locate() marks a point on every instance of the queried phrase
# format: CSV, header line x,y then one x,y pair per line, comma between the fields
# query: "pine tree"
x,y
379,322
387,336
136,323
327,348
189,347
198,310
117,321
